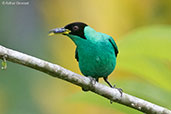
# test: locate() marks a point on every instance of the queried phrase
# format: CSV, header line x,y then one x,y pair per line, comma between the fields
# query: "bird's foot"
x,y
92,82
120,91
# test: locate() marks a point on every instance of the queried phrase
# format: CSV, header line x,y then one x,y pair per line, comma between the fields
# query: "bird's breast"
x,y
96,60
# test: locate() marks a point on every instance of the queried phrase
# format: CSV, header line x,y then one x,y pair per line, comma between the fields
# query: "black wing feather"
x,y
115,48
76,54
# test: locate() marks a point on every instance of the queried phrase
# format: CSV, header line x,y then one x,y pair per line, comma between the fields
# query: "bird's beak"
x,y
59,31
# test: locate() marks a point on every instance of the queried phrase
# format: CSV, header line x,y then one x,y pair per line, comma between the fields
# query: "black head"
x,y
76,28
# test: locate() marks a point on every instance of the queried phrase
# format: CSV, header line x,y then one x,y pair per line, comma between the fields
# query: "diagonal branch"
x,y
82,81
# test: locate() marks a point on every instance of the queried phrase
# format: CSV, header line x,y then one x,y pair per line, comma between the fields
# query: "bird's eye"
x,y
75,28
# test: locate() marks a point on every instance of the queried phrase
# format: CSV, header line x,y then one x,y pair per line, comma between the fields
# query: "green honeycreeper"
x,y
96,52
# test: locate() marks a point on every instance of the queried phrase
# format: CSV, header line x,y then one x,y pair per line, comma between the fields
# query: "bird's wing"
x,y
76,54
114,46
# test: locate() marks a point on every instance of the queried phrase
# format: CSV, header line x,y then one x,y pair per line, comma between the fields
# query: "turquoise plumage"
x,y
96,52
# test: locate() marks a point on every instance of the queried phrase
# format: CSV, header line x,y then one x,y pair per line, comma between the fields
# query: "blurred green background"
x,y
142,30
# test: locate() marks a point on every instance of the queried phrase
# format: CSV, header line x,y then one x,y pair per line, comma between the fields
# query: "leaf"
x,y
146,53
4,63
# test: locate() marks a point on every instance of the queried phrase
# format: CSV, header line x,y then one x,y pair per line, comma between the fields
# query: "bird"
x,y
95,52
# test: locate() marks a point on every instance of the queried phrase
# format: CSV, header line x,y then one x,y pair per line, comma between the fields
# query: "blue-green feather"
x,y
96,54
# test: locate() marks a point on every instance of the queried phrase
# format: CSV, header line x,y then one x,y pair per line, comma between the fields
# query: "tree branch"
x,y
82,81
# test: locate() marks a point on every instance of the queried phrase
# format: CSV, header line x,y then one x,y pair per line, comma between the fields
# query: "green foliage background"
x,y
142,30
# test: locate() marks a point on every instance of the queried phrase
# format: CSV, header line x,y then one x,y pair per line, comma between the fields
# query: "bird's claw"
x,y
92,83
92,80
120,91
